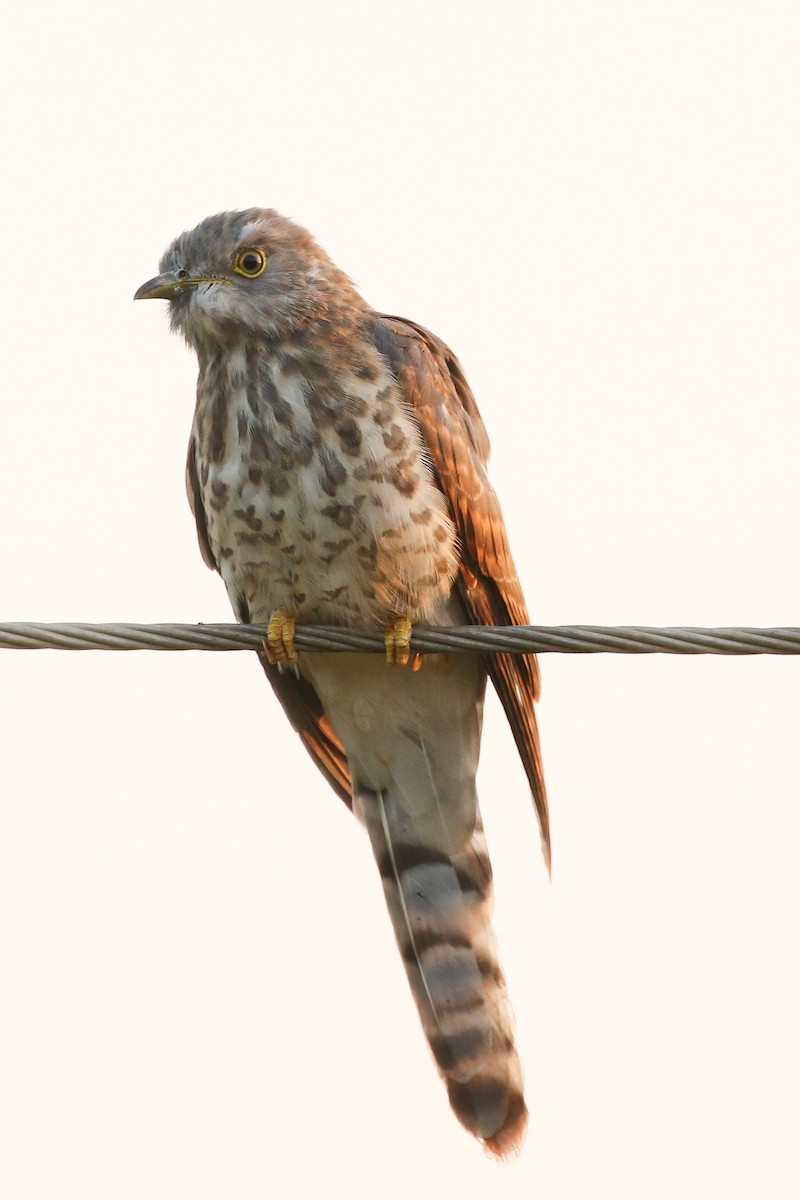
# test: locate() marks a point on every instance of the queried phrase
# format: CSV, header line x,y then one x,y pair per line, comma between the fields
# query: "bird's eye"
x,y
250,263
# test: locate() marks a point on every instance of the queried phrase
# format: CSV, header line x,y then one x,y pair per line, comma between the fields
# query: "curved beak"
x,y
163,287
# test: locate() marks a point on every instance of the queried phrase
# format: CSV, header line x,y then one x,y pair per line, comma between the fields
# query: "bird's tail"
x,y
440,905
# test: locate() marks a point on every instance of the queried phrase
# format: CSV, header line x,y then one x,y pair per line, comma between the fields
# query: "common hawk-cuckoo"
x,y
337,474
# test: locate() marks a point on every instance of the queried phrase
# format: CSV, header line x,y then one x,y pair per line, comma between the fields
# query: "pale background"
x,y
596,205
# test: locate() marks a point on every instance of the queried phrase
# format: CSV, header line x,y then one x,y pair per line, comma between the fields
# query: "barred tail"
x,y
440,907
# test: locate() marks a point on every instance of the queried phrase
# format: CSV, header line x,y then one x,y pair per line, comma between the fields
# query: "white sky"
x,y
597,206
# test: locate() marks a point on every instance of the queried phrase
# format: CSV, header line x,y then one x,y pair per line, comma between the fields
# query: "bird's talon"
x,y
279,642
397,640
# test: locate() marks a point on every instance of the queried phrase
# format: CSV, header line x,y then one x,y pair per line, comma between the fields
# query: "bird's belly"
x,y
347,551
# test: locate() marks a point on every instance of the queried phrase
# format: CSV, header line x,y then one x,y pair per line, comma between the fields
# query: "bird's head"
x,y
243,273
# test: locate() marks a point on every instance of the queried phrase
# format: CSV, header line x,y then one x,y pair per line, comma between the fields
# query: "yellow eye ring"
x,y
250,263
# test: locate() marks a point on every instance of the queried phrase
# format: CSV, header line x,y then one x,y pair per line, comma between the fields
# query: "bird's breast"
x,y
317,492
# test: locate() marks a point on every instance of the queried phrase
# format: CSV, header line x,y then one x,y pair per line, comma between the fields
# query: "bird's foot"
x,y
397,640
279,642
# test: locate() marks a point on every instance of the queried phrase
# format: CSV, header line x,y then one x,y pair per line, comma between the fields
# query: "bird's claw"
x,y
279,642
397,640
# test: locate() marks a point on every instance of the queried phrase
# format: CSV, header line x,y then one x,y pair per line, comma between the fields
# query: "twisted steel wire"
x,y
486,639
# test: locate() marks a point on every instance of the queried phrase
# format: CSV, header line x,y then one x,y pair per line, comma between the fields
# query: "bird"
x,y
337,472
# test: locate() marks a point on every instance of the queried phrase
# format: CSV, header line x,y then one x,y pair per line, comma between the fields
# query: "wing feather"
x,y
300,701
435,388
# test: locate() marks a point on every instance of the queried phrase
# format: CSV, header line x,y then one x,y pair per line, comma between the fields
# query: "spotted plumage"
x,y
337,473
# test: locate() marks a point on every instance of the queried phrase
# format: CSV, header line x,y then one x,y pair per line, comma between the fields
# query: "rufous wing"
x,y
298,698
435,388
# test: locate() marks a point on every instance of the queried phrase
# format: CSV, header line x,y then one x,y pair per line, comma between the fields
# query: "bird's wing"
x,y
433,384
300,701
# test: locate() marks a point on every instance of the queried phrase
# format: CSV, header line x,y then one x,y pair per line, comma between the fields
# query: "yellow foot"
x,y
397,640
279,642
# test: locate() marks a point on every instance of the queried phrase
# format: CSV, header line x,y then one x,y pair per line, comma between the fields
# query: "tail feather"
x,y
440,906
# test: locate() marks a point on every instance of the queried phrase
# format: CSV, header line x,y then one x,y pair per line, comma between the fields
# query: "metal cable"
x,y
518,639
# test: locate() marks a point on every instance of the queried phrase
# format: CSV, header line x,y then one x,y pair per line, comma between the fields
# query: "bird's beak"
x,y
171,284
163,287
